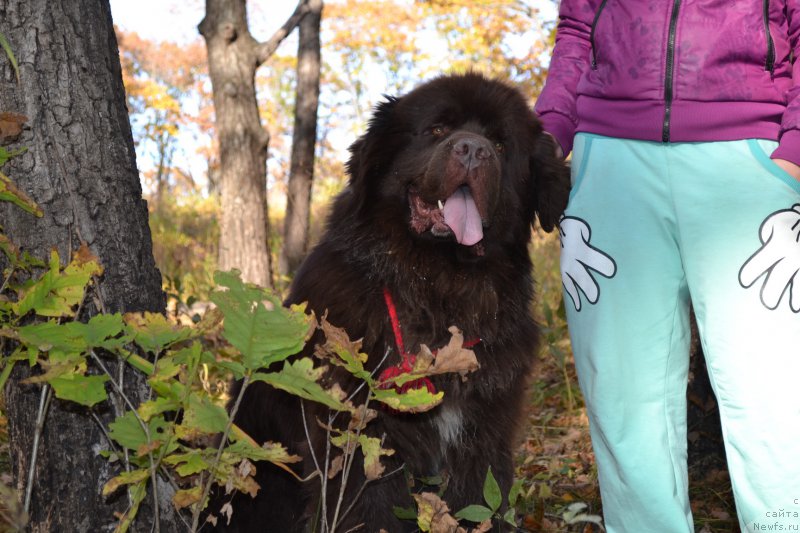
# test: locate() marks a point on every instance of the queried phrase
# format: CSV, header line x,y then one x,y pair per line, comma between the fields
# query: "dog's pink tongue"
x,y
461,215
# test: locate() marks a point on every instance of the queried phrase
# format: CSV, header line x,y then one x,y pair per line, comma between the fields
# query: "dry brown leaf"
x,y
11,126
720,514
336,466
146,448
336,337
185,498
374,470
360,417
227,512
483,527
454,357
434,513
424,361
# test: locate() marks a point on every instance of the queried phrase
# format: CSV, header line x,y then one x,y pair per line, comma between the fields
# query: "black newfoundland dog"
x,y
435,223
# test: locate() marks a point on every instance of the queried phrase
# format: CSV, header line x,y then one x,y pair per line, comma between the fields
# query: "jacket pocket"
x,y
594,27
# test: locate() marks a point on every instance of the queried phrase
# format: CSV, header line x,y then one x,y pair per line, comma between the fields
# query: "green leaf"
x,y
300,379
412,401
149,409
404,513
59,339
516,490
64,341
187,464
372,450
5,155
511,516
10,54
56,293
491,491
257,324
85,390
10,193
270,451
125,478
18,259
128,431
474,513
136,494
154,332
101,331
237,370
204,415
170,389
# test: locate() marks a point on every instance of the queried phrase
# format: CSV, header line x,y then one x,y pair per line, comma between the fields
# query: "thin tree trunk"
x,y
301,171
80,168
233,57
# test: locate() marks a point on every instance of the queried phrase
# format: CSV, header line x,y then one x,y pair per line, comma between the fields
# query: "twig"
x,y
348,458
347,462
372,374
44,403
7,279
126,458
325,525
308,438
223,442
364,382
153,469
363,486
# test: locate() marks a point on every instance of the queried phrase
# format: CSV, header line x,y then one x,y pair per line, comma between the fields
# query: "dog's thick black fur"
x,y
463,139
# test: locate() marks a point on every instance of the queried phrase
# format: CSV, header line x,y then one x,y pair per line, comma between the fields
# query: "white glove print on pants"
x,y
579,258
777,261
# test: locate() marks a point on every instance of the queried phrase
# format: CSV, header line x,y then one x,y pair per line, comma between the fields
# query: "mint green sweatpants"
x,y
649,228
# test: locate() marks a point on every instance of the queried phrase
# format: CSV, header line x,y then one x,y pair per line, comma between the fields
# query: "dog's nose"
x,y
471,151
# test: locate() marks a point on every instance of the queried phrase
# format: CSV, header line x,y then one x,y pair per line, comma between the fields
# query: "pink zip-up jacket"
x,y
676,70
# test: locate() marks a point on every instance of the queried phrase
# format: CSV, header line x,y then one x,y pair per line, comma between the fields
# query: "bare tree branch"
x,y
267,48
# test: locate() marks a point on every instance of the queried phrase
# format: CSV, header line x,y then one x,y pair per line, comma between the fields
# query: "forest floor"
x,y
556,462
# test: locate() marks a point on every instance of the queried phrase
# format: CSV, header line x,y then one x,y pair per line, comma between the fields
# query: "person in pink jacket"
x,y
683,120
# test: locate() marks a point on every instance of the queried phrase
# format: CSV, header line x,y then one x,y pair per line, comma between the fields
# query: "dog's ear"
x,y
366,157
551,182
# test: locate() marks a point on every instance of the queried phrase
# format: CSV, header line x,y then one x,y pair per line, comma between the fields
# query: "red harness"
x,y
407,360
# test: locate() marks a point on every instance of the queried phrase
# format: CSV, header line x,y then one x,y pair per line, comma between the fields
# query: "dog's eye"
x,y
499,147
438,131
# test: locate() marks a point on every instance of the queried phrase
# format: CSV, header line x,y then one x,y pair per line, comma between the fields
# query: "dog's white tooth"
x,y
441,205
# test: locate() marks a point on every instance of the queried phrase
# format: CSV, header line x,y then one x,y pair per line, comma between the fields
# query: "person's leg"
x,y
739,220
627,305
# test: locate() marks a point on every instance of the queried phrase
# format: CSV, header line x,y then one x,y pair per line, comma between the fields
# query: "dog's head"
x,y
460,159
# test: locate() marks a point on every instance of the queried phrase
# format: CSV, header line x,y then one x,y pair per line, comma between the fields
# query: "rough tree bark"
x,y
233,57
301,170
80,168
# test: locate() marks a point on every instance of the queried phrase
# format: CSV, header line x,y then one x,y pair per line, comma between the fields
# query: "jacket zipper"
x,y
670,67
770,62
591,35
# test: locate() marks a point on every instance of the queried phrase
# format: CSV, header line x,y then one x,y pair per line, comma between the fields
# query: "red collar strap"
x,y
407,359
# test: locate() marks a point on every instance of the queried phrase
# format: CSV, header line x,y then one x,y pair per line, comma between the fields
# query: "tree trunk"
x,y
233,57
80,168
301,170
243,142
